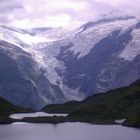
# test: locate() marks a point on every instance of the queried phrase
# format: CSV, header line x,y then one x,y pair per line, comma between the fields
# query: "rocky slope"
x,y
102,56
22,82
97,57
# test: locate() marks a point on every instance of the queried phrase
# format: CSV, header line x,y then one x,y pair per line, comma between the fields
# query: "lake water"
x,y
67,131
36,114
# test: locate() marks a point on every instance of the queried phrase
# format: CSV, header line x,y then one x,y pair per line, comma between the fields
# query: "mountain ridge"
x,y
75,66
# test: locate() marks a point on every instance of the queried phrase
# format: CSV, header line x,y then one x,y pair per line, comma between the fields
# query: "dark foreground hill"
x,y
122,103
7,109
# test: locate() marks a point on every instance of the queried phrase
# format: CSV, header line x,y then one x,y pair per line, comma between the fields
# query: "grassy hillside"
x,y
123,103
61,108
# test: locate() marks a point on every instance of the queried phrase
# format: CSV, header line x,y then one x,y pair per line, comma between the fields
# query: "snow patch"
x,y
132,49
120,121
84,42
72,94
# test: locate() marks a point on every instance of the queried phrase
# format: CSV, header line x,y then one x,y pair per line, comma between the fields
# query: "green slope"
x,y
61,108
123,103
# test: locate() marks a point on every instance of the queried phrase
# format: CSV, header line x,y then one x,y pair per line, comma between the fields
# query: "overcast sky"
x,y
56,13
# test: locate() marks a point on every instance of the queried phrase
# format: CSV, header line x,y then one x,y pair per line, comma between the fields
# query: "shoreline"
x,y
62,119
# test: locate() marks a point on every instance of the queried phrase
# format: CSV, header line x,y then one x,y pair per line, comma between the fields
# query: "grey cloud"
x,y
8,8
36,9
6,5
3,19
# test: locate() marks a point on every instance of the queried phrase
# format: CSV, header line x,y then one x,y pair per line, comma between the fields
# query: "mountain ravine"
x,y
45,66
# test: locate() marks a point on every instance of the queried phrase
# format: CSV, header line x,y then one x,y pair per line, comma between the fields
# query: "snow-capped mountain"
x,y
103,55
96,57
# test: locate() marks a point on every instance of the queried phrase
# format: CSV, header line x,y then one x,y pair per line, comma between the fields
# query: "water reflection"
x,y
67,131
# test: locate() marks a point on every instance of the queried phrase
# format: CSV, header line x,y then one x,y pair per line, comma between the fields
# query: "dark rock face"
x,y
21,82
